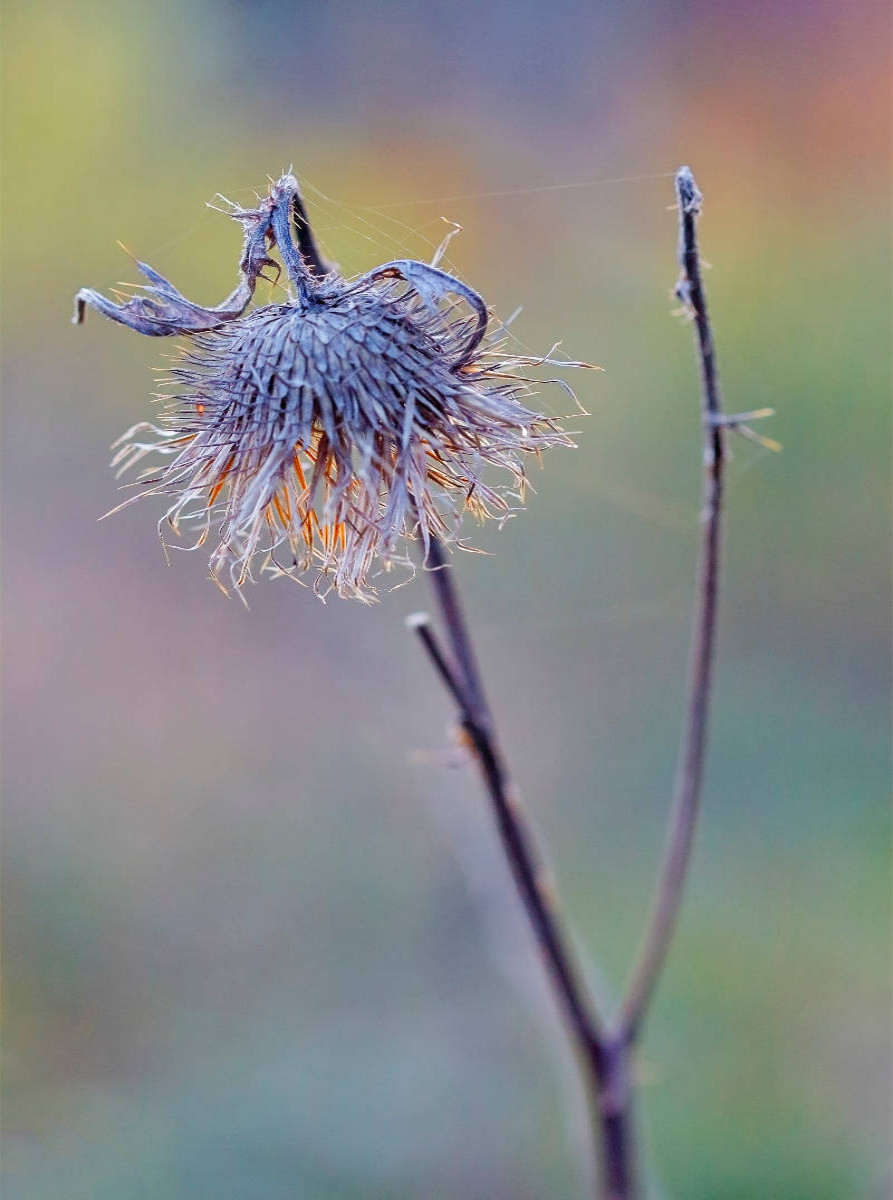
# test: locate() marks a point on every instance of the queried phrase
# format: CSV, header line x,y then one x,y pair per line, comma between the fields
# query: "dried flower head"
x,y
325,431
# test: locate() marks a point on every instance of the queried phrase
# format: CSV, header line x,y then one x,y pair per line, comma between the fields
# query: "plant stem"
x,y
603,1060
524,860
690,769
605,1051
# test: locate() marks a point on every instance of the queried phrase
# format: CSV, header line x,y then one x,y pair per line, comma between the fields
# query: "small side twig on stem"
x,y
605,1050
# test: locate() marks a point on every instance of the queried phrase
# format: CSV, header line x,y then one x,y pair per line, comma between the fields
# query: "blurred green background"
x,y
259,941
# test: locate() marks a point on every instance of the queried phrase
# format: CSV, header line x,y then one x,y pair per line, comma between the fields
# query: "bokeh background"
x,y
259,941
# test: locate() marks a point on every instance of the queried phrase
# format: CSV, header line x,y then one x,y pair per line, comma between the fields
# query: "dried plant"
x,y
327,430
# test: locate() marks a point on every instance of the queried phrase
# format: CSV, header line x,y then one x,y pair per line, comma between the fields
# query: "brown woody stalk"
x,y
604,1051
690,769
601,1068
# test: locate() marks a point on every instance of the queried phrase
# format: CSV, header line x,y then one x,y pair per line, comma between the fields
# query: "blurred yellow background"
x,y
259,941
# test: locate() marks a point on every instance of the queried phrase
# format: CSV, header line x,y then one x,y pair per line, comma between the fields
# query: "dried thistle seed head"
x,y
323,433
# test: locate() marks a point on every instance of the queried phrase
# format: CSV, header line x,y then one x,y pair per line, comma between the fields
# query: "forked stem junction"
x,y
605,1049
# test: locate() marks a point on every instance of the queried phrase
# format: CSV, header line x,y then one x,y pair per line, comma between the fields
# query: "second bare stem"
x,y
605,1051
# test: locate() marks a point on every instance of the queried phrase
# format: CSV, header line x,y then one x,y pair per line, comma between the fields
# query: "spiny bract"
x,y
324,432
